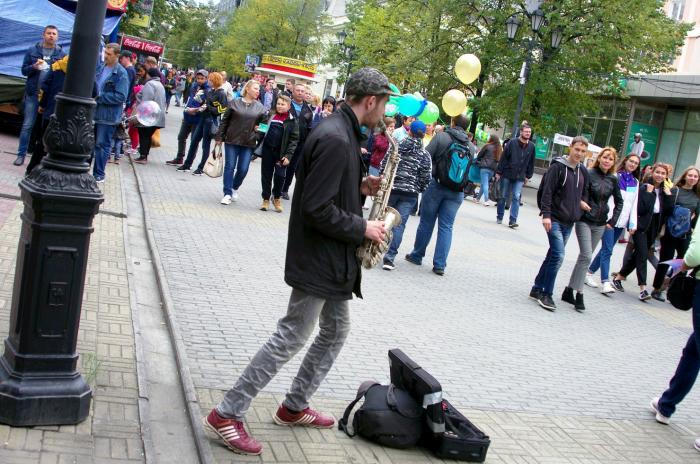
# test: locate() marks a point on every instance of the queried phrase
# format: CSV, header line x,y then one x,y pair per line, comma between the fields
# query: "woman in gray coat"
x,y
154,91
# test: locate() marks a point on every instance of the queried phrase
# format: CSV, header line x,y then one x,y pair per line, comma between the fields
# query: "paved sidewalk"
x,y
112,432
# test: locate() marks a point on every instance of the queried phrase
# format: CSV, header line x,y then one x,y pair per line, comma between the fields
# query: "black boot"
x,y
578,305
568,295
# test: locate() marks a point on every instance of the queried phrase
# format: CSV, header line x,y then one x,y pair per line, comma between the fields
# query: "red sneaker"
x,y
233,433
307,418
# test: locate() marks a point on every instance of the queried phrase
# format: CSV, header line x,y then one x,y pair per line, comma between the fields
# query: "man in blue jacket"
x,y
36,65
516,167
112,91
191,116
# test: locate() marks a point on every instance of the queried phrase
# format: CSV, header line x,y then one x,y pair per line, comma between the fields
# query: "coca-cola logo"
x,y
142,45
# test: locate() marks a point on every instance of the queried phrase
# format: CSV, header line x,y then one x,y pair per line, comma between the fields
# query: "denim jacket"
x,y
33,75
112,96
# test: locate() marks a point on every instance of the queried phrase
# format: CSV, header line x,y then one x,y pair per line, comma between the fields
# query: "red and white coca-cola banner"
x,y
141,45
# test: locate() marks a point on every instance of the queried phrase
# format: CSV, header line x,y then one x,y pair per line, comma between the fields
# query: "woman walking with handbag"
x,y
627,175
152,91
213,107
277,149
650,203
683,210
237,131
487,161
602,185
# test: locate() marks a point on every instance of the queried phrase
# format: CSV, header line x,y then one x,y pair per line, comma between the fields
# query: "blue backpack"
x,y
452,166
678,224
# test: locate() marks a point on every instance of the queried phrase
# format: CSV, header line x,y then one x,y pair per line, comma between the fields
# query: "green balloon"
x,y
430,114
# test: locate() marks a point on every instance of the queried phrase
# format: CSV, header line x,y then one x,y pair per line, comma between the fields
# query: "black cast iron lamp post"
x,y
347,51
512,24
39,382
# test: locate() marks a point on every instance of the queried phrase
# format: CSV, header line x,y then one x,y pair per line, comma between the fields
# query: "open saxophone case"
x,y
447,433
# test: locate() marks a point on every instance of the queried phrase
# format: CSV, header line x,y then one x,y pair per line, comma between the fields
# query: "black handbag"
x,y
461,439
389,416
681,290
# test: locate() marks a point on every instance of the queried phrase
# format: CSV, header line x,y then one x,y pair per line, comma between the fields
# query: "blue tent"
x,y
22,23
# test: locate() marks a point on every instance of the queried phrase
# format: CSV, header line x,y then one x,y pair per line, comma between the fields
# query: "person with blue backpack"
x,y
515,168
683,212
450,155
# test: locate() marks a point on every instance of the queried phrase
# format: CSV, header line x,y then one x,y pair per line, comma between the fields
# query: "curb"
x,y
194,412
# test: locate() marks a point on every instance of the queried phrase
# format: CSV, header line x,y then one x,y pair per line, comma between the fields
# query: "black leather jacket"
x,y
600,188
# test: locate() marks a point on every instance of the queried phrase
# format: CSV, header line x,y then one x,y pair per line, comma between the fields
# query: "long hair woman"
x,y
650,200
602,185
684,194
237,131
627,178
152,90
487,161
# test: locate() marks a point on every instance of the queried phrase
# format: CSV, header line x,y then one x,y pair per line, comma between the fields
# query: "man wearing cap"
x,y
325,229
192,115
637,147
125,61
412,178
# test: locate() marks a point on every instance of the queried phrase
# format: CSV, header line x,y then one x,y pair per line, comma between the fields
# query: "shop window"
x,y
622,109
601,132
693,123
617,136
648,116
675,119
668,148
688,155
606,109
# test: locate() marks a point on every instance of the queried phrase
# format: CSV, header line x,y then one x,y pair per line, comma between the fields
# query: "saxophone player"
x,y
325,229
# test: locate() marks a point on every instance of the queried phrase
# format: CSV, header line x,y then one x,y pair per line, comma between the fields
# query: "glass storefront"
x,y
680,138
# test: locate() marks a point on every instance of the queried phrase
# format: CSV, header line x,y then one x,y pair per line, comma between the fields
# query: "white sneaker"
x,y
234,196
654,406
590,281
226,200
607,288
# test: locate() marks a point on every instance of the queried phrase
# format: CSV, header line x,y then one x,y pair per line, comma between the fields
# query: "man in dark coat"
x,y
515,168
325,229
304,115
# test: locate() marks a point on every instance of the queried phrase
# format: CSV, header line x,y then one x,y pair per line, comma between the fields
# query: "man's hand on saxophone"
x,y
370,185
375,231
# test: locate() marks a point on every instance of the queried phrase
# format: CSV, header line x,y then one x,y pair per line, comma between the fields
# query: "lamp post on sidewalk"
x,y
512,25
39,382
348,51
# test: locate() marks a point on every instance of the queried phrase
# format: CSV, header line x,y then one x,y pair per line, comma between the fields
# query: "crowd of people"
x,y
338,152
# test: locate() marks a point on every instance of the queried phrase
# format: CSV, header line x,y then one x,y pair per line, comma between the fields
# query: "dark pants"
x,y
271,174
670,247
145,134
404,204
558,235
642,242
292,167
39,151
688,366
201,133
185,129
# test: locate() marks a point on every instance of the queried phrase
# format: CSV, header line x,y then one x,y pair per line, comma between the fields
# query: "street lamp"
x,y
512,24
39,382
348,51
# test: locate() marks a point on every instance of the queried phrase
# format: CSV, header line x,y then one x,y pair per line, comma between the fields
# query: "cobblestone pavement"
x,y
548,387
112,432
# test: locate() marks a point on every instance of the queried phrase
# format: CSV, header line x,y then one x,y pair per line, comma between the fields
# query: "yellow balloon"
x,y
454,102
468,68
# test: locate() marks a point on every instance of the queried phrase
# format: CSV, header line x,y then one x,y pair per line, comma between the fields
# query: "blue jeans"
x,y
558,236
31,104
688,366
103,144
236,157
486,175
117,145
404,204
373,171
200,133
441,204
602,259
509,186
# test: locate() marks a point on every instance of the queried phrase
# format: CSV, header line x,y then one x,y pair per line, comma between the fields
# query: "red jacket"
x,y
379,149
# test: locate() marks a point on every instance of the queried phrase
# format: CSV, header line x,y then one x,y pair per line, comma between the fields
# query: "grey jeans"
x,y
292,332
588,237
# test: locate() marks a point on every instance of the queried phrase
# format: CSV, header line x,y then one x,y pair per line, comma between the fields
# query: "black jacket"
x,y
600,188
563,187
442,141
486,159
290,136
304,119
645,209
326,225
517,162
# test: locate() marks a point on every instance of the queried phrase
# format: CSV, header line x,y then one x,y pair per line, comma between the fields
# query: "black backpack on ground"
x,y
452,166
389,416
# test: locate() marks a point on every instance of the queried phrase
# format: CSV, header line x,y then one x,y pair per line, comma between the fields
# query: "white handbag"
x,y
215,163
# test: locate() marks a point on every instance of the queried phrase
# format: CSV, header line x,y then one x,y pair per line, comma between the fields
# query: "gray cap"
x,y
367,81
203,72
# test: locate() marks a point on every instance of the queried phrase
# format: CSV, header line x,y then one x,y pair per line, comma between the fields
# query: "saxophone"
x,y
371,252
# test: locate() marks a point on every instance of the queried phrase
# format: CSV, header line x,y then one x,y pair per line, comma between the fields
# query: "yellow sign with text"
x,y
289,63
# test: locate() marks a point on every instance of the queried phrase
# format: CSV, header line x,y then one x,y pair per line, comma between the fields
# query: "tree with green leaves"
x,y
291,28
416,43
165,16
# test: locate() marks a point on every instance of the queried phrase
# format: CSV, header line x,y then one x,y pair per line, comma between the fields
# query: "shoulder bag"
x,y
215,163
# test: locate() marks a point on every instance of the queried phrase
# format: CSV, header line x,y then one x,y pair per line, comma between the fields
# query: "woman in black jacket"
x,y
487,162
602,184
685,194
276,150
650,206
